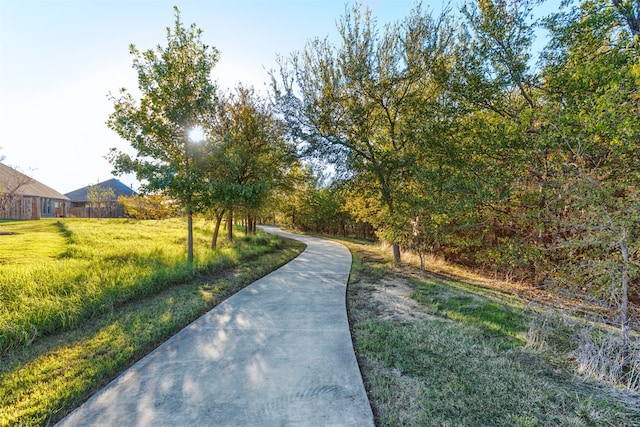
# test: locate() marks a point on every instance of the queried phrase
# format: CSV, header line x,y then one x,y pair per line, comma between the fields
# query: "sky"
x,y
59,59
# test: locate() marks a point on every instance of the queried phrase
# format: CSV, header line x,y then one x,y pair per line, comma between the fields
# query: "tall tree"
x,y
353,104
495,56
592,122
176,95
495,88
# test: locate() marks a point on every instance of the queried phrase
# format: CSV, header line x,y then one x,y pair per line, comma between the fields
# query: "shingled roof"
x,y
119,189
13,181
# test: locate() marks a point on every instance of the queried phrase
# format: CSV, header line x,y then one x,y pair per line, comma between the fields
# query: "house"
x,y
22,197
82,207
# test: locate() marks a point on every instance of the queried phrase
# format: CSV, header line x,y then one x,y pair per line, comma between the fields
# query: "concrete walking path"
x,y
277,353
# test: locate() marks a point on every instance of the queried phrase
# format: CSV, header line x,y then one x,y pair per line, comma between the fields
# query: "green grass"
x,y
464,362
45,377
58,273
498,320
33,241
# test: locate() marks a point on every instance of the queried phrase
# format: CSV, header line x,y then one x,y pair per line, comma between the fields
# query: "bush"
x,y
149,206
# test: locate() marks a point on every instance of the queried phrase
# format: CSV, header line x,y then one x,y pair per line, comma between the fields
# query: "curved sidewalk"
x,y
278,352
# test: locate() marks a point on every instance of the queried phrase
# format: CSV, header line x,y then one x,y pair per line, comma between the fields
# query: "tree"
x,y
245,160
290,198
554,150
176,95
496,89
494,56
311,202
99,197
592,84
11,193
353,105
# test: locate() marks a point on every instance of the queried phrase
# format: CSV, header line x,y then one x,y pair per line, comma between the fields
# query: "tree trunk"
x,y
624,306
189,235
216,229
230,225
396,253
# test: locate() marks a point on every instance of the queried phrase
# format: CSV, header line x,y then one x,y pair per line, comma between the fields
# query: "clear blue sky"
x,y
60,58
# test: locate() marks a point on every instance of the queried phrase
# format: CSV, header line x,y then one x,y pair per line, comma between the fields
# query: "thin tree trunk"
x,y
189,235
216,229
624,307
230,225
396,253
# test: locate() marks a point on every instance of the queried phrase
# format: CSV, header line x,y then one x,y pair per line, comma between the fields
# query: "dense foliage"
x,y
149,206
245,159
455,141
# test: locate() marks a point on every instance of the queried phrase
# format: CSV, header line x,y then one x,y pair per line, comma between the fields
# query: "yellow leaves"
x,y
635,71
485,5
440,219
558,156
616,142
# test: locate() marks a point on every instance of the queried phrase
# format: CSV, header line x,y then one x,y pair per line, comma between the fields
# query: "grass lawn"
x,y
435,351
84,299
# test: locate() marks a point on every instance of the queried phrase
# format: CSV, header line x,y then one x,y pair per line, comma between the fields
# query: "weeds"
x,y
594,350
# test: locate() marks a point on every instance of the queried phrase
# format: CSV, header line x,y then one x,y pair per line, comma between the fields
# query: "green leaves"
x,y
357,105
176,93
249,156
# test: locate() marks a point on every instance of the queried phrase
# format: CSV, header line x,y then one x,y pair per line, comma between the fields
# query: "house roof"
x,y
12,181
119,189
